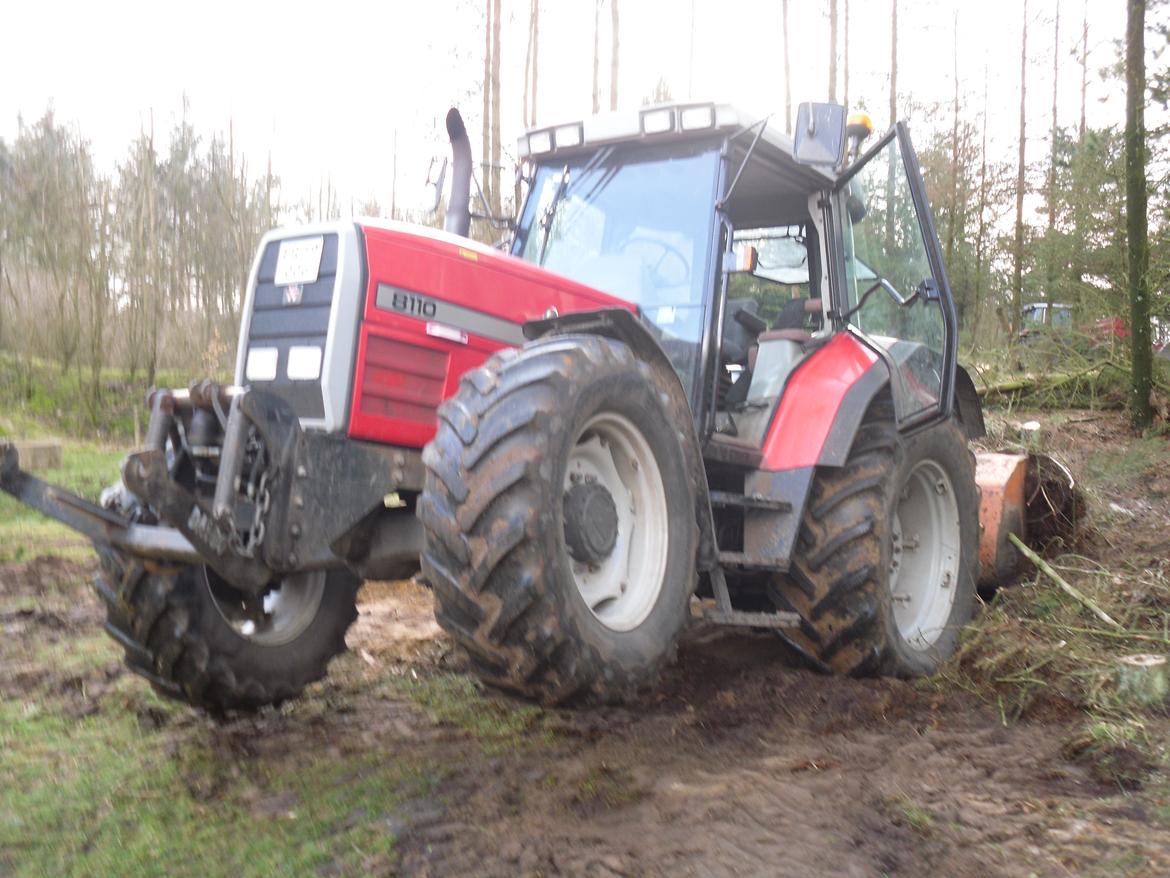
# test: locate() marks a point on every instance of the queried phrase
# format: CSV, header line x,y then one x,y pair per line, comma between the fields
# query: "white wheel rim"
x,y
622,589
278,616
924,558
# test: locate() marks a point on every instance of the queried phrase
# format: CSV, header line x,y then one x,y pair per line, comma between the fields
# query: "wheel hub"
x,y
591,522
924,555
278,616
615,521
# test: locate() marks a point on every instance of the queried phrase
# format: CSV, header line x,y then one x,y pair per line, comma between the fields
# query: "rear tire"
x,y
183,631
571,428
884,573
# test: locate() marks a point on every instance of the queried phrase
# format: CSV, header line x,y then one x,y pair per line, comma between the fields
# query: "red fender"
x,y
823,404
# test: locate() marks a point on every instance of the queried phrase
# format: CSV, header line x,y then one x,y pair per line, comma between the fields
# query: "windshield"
x,y
635,223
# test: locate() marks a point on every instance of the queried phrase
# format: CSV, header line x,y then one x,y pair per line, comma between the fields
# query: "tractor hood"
x,y
436,305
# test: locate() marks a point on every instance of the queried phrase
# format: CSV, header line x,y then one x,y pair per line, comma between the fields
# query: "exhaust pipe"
x,y
459,209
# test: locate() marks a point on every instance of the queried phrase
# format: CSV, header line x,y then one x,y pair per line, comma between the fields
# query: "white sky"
x,y
323,87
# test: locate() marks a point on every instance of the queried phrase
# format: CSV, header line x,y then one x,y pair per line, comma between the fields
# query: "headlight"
x,y
261,364
658,121
540,141
304,363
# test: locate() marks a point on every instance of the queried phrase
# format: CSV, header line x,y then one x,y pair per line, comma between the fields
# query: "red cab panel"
x,y
812,398
437,305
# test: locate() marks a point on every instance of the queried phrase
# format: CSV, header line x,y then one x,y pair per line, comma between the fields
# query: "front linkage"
x,y
231,516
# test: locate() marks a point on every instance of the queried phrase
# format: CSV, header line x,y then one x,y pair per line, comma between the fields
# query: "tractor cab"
x,y
742,258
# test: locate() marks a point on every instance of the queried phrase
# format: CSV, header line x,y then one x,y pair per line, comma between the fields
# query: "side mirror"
x,y
819,139
433,188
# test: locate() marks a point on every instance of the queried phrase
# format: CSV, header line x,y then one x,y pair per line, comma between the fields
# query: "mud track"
x,y
736,764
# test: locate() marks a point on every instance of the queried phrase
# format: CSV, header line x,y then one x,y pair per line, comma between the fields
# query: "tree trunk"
x,y
528,68
787,70
1135,209
1051,255
487,101
890,177
833,51
953,214
535,55
1084,70
596,56
494,170
1018,249
845,59
981,234
613,68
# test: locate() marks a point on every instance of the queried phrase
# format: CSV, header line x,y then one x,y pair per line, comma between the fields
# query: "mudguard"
x,y
968,405
822,406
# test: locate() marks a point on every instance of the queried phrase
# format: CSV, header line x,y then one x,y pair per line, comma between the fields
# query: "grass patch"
x,y
1112,467
498,724
38,399
102,796
25,533
608,786
904,811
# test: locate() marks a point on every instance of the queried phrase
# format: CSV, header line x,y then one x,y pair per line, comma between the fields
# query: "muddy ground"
x,y
736,764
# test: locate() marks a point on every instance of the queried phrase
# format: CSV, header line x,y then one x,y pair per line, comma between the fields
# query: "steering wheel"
x,y
657,278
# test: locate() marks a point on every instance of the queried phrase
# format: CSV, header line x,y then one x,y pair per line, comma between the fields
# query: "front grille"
x,y
282,324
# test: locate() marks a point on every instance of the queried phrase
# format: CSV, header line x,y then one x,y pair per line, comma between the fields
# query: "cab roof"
x,y
772,171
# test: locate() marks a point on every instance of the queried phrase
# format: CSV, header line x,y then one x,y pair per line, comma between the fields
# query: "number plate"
x,y
299,261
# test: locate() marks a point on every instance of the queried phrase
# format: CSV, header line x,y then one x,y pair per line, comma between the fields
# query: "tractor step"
x,y
744,561
749,501
745,619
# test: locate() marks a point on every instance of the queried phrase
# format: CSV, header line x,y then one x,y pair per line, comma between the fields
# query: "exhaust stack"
x,y
459,208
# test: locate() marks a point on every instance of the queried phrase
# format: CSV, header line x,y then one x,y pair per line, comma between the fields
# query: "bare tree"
x,y
487,99
892,171
1018,249
893,62
494,169
1084,70
596,56
833,51
530,65
535,53
613,58
845,58
1136,228
787,69
1050,237
981,231
952,215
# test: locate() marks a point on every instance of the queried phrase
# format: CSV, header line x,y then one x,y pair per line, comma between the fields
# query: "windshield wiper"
x,y
549,214
546,218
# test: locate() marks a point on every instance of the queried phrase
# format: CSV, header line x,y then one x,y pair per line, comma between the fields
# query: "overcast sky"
x,y
324,88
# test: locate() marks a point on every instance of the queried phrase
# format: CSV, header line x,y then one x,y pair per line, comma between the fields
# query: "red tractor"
x,y
714,375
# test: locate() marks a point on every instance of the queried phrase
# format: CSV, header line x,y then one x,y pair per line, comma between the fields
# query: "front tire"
x,y
198,640
559,520
887,560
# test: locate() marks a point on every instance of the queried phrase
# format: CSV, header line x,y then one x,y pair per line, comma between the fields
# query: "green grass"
x,y
38,399
499,724
24,533
913,815
103,796
1112,467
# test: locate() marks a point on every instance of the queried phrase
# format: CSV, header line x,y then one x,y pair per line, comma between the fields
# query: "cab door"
x,y
892,286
